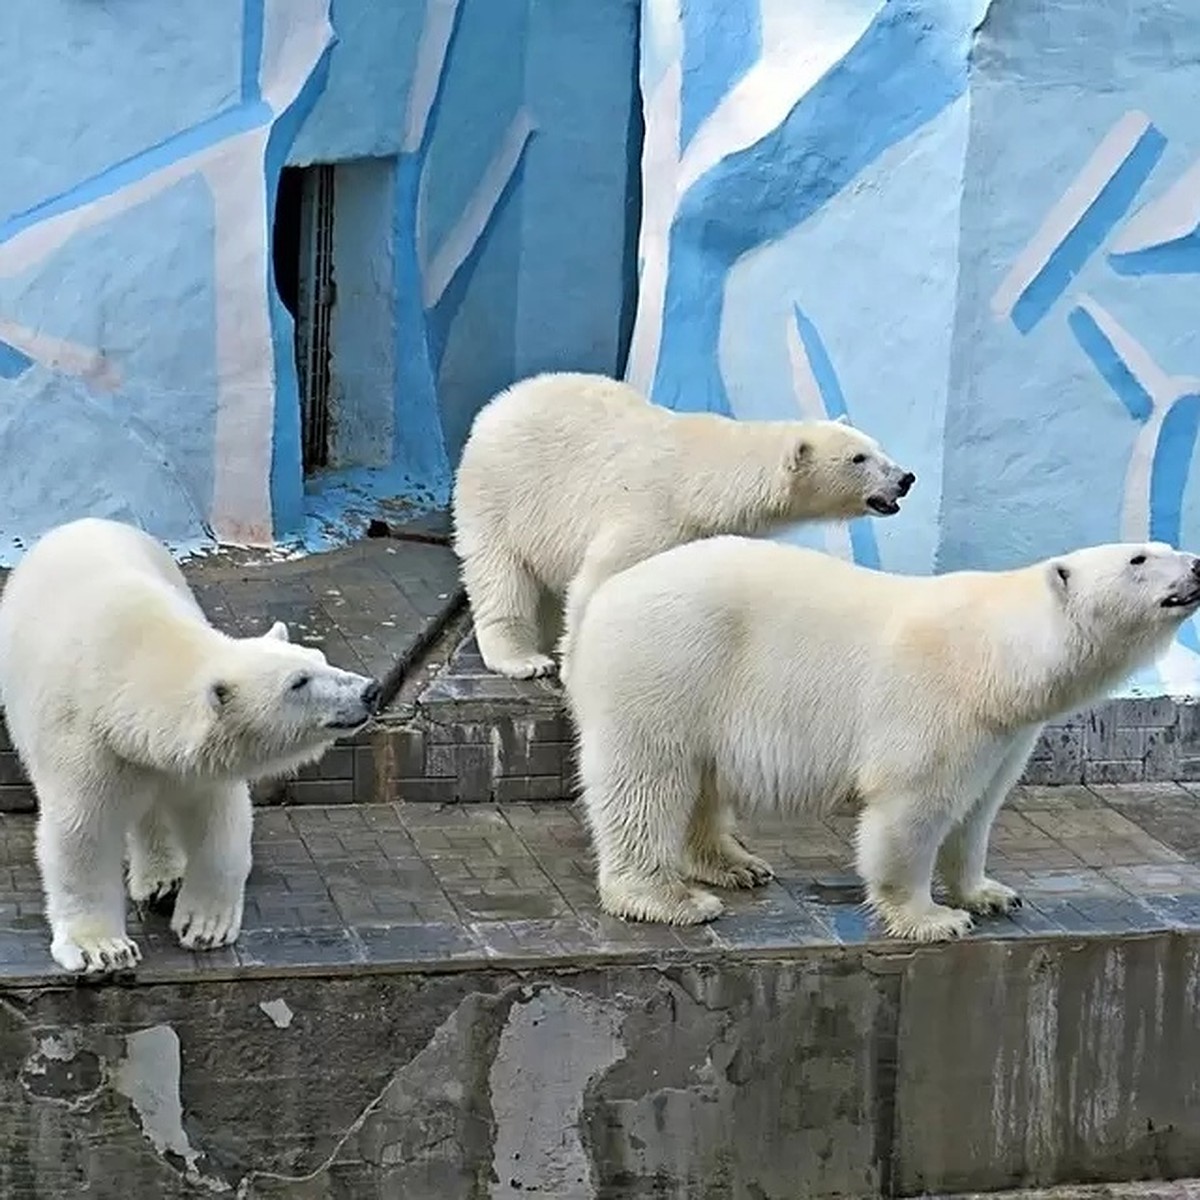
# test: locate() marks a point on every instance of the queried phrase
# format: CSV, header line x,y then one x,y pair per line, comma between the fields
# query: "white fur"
x,y
141,724
733,673
567,478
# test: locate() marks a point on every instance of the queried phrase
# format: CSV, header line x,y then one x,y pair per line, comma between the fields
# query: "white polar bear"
x,y
566,479
139,722
734,673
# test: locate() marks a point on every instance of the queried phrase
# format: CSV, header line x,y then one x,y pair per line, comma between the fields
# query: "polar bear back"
x,y
90,597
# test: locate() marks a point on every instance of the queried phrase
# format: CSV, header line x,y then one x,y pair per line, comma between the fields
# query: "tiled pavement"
x,y
426,887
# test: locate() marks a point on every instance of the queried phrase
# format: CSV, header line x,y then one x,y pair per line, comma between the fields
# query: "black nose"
x,y
906,482
370,694
1196,567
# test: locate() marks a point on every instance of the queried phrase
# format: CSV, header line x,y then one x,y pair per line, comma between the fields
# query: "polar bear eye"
x,y
859,459
300,683
1137,560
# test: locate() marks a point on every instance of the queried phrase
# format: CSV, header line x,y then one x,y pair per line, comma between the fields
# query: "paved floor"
x,y
366,606
419,886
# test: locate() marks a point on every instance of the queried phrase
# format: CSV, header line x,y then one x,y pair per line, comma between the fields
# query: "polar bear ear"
x,y
1059,575
799,453
278,632
218,695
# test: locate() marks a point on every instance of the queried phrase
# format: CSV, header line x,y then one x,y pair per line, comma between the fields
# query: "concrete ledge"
x,y
425,1003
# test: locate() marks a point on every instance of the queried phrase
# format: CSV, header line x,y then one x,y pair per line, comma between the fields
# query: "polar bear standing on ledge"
x,y
733,672
137,720
566,479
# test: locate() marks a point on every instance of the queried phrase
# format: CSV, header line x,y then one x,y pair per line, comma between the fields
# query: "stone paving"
x,y
348,888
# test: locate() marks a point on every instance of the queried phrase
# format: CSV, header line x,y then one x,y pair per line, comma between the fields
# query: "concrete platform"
x,y
425,1003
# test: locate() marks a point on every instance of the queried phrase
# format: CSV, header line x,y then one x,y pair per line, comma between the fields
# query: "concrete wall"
x,y
146,362
970,224
845,1075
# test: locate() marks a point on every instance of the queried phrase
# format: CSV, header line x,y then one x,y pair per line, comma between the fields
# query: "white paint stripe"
x,y
245,417
431,59
801,43
295,34
1097,172
1174,215
68,358
461,240
660,161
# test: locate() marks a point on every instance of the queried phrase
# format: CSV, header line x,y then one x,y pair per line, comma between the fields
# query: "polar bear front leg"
x,y
156,858
963,856
78,850
897,844
215,825
638,817
713,853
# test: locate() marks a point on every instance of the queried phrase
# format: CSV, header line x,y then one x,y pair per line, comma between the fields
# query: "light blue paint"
x,y
13,364
86,85
1172,464
1100,350
182,145
904,70
143,452
720,44
1088,235
287,478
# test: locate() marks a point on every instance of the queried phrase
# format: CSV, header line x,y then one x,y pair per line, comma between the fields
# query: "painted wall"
x,y
971,225
146,361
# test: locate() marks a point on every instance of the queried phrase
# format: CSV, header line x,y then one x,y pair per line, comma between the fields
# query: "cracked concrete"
x,y
828,1074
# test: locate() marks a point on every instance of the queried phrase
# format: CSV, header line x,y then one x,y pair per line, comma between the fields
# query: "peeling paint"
x,y
149,1077
278,1011
552,1046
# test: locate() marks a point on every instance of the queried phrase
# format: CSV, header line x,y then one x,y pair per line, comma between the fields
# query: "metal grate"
x,y
314,318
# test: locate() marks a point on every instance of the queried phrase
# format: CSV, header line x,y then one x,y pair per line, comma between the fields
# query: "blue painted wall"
x,y
146,362
972,225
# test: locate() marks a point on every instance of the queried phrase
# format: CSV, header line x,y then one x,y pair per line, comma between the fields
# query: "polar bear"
x,y
566,479
733,673
139,723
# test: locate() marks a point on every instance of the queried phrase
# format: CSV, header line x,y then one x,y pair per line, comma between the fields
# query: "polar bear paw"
x,y
205,925
924,923
745,871
86,951
665,903
522,666
155,886
989,898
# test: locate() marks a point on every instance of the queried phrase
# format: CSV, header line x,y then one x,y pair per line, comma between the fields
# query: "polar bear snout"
x,y
355,702
886,500
1186,593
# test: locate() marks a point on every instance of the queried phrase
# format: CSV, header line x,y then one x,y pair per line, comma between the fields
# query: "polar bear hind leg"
x,y
156,858
214,822
638,814
505,599
897,843
79,850
713,852
963,855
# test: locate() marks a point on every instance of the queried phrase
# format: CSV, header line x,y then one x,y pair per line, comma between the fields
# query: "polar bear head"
x,y
273,706
843,473
1127,594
